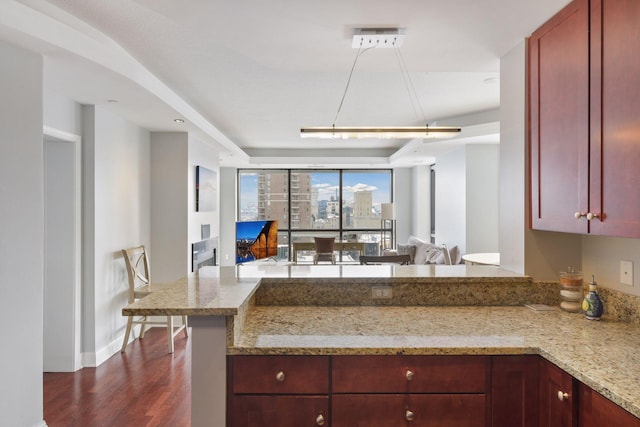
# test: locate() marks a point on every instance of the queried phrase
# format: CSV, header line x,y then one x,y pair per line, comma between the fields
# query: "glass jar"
x,y
571,290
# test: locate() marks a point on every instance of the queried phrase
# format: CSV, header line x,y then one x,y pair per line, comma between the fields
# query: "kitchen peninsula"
x,y
440,311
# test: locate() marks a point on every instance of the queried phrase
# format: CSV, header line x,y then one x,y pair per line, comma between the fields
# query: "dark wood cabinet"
x,y
584,86
282,391
409,374
558,397
594,410
615,118
514,391
401,390
280,411
281,374
420,410
409,390
558,66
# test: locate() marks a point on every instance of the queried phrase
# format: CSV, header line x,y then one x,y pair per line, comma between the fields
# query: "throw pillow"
x,y
435,255
426,253
456,256
420,256
407,250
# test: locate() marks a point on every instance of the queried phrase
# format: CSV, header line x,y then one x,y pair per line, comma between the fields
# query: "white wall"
x,y
169,196
206,155
601,257
175,224
403,196
22,231
228,192
467,198
451,195
62,113
482,196
420,207
62,284
512,159
117,210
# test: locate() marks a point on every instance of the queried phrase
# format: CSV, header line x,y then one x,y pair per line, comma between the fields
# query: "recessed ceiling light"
x,y
178,120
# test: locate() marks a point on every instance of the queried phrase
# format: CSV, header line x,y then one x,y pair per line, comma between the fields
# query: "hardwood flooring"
x,y
146,386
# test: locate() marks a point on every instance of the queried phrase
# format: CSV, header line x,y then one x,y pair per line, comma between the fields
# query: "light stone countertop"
x,y
602,354
460,310
224,291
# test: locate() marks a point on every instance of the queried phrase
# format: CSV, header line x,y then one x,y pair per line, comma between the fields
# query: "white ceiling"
x,y
248,73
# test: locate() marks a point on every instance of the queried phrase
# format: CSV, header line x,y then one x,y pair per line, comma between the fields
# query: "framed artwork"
x,y
206,189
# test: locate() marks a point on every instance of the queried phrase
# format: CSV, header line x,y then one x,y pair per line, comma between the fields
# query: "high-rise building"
x,y
273,202
363,216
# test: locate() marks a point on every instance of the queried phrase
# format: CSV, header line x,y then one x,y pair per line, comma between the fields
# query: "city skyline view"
x,y
325,185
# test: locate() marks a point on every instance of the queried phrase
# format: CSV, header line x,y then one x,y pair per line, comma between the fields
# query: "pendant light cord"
x,y
406,77
408,83
355,61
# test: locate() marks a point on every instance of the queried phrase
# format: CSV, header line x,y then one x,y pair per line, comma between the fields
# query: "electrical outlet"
x,y
626,273
381,292
226,257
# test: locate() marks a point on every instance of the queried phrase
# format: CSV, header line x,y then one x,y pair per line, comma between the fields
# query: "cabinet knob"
x,y
562,396
409,375
579,215
591,216
280,376
409,415
320,420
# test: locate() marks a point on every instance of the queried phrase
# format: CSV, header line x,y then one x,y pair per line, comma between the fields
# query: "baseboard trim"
x,y
93,360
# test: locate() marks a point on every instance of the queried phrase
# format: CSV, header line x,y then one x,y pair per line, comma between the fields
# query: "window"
x,y
306,203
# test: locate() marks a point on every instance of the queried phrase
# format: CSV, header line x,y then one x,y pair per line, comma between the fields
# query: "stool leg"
x,y
126,335
170,332
186,327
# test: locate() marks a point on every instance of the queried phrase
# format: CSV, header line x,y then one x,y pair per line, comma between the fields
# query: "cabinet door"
x,y
615,117
558,403
514,391
559,120
280,411
412,410
594,410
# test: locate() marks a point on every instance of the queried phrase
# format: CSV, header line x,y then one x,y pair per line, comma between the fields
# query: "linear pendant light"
x,y
402,132
369,39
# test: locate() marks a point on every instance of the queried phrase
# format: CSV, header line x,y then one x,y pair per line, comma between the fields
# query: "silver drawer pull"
x,y
562,396
320,420
409,415
409,375
280,376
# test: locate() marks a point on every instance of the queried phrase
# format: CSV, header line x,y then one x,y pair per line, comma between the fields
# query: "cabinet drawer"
x,y
280,374
409,374
280,411
423,410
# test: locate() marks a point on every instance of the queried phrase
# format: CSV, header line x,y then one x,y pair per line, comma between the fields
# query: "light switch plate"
x,y
626,273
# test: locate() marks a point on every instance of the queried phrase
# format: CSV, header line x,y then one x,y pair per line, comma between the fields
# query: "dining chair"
x,y
385,259
137,263
324,249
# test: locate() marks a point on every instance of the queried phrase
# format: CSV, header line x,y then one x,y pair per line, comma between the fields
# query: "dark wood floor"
x,y
146,386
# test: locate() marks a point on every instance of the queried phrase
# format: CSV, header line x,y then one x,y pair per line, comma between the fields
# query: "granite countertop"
x,y
225,291
602,354
275,309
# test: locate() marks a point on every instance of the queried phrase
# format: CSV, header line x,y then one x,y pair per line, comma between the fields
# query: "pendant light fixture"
x,y
364,40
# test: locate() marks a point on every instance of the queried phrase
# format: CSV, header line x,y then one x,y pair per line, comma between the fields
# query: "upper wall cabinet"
x,y
584,118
